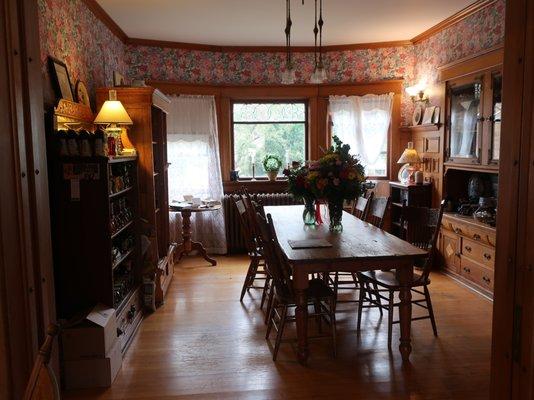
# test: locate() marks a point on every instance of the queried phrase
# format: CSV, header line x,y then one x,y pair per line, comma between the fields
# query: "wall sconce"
x,y
417,93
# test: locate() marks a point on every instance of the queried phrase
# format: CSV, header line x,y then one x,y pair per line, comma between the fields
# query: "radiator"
x,y
234,236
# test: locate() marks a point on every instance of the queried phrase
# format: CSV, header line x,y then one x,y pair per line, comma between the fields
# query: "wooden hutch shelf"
x,y
147,108
94,204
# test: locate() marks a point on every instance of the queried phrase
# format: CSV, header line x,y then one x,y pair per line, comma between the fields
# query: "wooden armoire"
x,y
148,108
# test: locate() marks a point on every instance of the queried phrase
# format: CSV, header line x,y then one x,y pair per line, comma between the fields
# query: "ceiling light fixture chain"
x,y
319,72
288,76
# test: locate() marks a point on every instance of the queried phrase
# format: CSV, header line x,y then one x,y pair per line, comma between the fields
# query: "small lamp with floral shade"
x,y
411,157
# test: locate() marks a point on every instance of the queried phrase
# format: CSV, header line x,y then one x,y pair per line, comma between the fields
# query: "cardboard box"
x,y
93,338
94,372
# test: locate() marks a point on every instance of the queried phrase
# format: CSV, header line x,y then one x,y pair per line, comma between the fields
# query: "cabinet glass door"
x,y
495,118
465,118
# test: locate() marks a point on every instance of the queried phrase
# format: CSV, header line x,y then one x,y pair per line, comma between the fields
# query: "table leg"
x,y
202,251
405,276
301,316
184,248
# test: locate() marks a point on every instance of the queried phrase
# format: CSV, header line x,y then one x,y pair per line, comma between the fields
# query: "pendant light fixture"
x,y
288,76
319,72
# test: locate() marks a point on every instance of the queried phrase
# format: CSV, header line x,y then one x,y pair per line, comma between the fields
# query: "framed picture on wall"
x,y
118,79
60,79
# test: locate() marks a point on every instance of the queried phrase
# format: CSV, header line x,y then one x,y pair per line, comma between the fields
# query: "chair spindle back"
x,y
377,211
361,206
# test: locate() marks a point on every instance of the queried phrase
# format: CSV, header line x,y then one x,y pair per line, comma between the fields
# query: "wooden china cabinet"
x,y
471,154
148,108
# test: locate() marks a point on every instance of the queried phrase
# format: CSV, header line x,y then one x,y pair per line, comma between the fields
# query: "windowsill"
x,y
260,185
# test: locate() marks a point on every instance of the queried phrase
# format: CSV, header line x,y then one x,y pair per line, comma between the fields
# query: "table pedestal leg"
x,y
405,276
187,244
301,316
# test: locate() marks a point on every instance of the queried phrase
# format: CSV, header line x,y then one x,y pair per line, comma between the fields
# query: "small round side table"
x,y
187,244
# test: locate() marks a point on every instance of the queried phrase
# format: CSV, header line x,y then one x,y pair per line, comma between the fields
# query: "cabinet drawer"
x,y
469,231
477,274
129,318
481,236
478,252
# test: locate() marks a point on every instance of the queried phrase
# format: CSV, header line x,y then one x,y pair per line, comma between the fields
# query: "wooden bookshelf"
x,y
147,108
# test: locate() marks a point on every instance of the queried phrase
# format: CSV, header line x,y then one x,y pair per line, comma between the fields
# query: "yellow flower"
x,y
312,176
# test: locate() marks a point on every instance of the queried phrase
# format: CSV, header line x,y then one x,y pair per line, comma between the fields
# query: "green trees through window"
x,y
262,128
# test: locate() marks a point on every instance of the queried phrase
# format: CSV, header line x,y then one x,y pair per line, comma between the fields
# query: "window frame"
x,y
305,102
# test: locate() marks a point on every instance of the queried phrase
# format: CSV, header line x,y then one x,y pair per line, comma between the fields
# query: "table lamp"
x,y
409,156
114,116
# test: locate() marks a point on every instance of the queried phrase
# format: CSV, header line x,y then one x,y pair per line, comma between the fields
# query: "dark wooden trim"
x,y
453,19
263,49
104,17
485,59
512,356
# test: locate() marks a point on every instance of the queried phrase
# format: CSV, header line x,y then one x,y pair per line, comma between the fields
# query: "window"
x,y
261,128
363,122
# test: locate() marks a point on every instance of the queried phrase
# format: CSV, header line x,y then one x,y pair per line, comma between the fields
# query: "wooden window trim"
x,y
317,99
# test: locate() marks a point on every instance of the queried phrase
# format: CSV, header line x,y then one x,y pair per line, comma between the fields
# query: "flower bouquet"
x,y
335,177
300,188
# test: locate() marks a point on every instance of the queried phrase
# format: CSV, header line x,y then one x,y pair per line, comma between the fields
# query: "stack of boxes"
x,y
91,350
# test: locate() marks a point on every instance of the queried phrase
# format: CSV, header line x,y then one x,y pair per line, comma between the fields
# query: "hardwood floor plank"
x,y
204,344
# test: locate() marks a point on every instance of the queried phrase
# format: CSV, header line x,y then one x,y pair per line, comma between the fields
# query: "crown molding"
x,y
104,17
453,19
262,49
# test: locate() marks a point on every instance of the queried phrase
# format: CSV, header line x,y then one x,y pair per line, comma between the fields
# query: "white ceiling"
x,y
261,22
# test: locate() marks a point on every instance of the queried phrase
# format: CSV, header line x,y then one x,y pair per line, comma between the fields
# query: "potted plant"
x,y
272,164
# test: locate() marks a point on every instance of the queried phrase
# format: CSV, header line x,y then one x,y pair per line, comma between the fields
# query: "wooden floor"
x,y
205,344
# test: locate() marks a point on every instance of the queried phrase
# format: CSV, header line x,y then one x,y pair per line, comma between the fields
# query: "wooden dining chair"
x,y
320,296
360,207
256,269
422,228
43,384
349,280
377,210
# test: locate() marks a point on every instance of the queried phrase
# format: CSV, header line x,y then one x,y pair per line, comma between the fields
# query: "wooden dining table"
x,y
359,247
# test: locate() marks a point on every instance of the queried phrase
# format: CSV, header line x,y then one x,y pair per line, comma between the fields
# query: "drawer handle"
x,y
468,248
131,312
487,256
468,270
120,332
476,236
457,230
486,279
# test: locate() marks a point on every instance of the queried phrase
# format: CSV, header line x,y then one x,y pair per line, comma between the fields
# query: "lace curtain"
x,y
363,123
195,169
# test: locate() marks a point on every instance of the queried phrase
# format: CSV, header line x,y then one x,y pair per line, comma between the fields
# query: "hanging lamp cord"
x,y
289,23
315,32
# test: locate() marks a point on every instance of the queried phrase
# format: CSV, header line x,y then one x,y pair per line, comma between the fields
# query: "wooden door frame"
x,y
512,358
26,276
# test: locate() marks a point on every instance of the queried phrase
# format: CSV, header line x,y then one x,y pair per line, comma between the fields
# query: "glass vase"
x,y
335,211
308,215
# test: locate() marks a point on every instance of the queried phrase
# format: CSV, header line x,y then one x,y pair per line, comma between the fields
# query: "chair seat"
x,y
389,279
317,290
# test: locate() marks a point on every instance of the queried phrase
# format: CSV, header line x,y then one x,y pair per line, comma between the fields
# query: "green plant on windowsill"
x,y
272,164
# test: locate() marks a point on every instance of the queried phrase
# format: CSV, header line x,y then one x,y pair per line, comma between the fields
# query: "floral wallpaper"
x,y
70,32
477,32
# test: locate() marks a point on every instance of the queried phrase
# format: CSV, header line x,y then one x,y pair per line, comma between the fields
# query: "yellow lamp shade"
x,y
409,156
113,112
